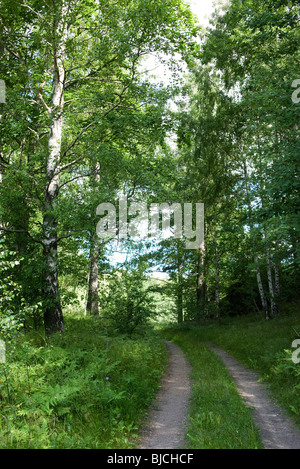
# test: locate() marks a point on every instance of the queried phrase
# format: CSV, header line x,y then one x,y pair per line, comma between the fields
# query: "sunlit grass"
x,y
262,346
218,417
85,389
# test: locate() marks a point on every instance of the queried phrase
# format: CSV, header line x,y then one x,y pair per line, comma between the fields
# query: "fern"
x,y
72,393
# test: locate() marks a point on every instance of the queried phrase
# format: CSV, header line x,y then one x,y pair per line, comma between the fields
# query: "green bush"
x,y
127,302
14,310
285,376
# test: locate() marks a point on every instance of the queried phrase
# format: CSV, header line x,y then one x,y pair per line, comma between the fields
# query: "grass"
x,y
82,390
89,390
218,418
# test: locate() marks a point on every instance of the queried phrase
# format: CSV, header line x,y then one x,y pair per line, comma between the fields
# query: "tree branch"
x,y
73,179
11,230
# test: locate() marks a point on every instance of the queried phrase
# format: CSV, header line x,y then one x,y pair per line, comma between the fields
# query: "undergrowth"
x,y
80,390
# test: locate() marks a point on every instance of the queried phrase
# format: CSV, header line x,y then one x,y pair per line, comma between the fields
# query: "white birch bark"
x,y
271,283
92,302
200,287
261,288
179,288
53,317
255,256
217,277
277,280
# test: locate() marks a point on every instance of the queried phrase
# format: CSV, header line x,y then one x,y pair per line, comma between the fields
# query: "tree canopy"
x,y
83,123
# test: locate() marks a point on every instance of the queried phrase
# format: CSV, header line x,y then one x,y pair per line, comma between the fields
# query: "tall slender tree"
x,y
77,63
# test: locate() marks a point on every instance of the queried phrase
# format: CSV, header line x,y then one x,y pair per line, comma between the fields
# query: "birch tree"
x,y
77,62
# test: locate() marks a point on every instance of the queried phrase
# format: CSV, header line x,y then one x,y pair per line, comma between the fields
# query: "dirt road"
x,y
276,429
168,417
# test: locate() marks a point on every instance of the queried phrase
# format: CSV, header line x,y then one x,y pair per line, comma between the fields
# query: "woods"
x,y
85,123
73,69
240,142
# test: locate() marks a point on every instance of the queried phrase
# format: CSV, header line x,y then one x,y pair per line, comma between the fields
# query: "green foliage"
x,y
285,367
84,390
112,117
14,309
126,300
285,374
239,143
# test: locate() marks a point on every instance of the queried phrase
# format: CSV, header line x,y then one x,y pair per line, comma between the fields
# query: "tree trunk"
x,y
261,288
92,300
53,318
255,256
179,292
200,287
277,278
277,285
274,307
92,303
217,276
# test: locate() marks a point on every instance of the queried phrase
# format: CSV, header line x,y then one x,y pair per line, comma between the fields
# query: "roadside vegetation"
x,y
218,418
114,167
81,390
92,386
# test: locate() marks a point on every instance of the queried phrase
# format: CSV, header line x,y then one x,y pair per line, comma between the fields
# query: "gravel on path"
x,y
276,430
167,421
168,418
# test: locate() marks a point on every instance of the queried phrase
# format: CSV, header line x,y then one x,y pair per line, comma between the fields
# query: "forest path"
x,y
276,430
168,415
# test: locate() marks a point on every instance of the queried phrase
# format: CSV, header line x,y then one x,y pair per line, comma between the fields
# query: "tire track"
x,y
276,430
167,420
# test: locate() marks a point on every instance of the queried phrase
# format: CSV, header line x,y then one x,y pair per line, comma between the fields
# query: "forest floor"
x,y
168,418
